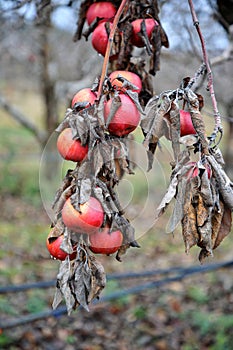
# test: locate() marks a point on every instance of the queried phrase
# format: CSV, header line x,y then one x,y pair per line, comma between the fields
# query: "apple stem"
x,y
210,87
109,47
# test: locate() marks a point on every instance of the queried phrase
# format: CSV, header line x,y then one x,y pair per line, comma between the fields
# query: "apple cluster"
x,y
89,217
102,13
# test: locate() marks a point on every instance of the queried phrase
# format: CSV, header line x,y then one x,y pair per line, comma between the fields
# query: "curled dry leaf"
x,y
199,205
79,281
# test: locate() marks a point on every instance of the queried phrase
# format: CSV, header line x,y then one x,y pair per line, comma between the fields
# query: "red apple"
x,y
53,245
102,9
71,149
136,38
126,118
186,125
132,77
100,39
105,242
84,95
88,220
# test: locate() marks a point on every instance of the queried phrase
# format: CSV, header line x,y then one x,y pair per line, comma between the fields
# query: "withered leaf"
x,y
155,51
197,119
224,184
98,278
63,278
60,201
56,231
154,125
179,170
205,189
58,298
225,227
121,251
178,212
202,211
81,282
189,225
125,83
102,194
116,103
65,123
175,128
204,227
134,97
216,222
66,244
85,190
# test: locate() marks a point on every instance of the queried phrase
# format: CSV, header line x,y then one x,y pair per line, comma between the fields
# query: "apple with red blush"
x,y
103,9
53,245
130,76
105,241
126,118
136,38
69,148
87,220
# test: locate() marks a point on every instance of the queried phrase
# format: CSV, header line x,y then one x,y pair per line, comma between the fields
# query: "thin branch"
x,y
22,119
109,46
210,86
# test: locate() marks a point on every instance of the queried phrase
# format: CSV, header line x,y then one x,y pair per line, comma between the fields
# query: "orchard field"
x,y
191,313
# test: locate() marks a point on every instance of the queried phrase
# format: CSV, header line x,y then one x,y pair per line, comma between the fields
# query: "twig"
x,y
109,47
210,86
22,119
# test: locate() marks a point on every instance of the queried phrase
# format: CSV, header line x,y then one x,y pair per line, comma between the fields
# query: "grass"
x,y
217,327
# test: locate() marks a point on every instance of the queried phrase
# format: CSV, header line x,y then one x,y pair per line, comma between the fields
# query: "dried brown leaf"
x,y
225,227
116,103
189,227
63,287
178,212
174,118
189,220
80,283
98,278
216,223
154,125
179,171
223,182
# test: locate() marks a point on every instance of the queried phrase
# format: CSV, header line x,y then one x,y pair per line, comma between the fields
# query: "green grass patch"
x,y
214,326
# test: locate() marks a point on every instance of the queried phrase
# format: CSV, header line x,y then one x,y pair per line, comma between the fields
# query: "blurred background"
x,y
41,68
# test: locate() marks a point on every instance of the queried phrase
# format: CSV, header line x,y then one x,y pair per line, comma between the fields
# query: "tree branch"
x,y
22,119
109,46
218,123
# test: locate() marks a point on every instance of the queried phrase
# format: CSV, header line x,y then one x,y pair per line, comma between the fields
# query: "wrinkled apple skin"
x,y
150,24
88,220
186,125
132,77
55,251
70,149
105,242
105,10
84,95
126,118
